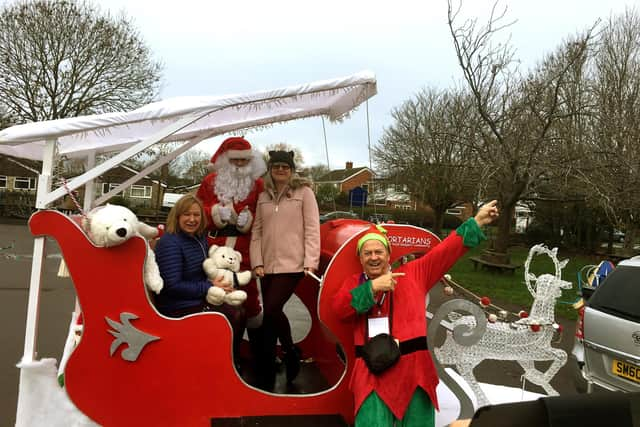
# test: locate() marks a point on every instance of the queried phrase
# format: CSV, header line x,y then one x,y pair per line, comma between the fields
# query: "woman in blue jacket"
x,y
180,253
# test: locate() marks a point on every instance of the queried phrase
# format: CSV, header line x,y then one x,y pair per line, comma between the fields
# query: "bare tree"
x,y
67,58
517,112
612,165
193,165
5,118
318,171
426,149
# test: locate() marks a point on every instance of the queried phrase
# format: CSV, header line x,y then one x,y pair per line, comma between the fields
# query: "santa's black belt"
x,y
229,230
406,347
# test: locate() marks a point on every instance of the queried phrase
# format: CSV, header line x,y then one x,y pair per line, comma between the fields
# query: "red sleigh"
x,y
182,373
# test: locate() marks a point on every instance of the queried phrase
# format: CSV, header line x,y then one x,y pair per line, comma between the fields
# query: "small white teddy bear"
x,y
112,225
224,261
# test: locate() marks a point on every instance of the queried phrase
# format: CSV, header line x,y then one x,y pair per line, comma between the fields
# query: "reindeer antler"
x,y
541,249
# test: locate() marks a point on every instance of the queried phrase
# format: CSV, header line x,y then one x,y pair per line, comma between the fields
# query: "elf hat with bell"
x,y
376,232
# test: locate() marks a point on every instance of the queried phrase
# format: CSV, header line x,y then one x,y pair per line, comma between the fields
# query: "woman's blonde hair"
x,y
183,204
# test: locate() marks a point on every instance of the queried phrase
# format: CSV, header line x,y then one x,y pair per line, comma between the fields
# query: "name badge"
x,y
378,325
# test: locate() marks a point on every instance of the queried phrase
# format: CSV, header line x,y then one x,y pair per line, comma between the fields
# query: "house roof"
x,y
341,175
11,166
123,172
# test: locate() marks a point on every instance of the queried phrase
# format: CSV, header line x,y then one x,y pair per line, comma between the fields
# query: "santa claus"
x,y
229,195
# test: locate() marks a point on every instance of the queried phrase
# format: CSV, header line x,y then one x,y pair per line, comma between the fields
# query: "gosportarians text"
x,y
410,241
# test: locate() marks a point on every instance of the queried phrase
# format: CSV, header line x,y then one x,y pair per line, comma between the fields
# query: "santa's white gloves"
x,y
243,218
225,213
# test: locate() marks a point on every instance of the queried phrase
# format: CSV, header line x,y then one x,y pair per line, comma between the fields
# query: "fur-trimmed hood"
x,y
295,182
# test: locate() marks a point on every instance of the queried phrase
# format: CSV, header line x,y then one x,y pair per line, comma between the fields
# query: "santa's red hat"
x,y
235,147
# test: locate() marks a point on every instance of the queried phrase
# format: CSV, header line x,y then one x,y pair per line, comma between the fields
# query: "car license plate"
x,y
626,370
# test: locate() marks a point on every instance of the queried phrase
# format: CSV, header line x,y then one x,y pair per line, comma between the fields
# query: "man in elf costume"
x,y
229,195
380,301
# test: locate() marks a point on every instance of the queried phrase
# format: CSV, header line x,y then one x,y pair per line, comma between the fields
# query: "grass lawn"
x,y
510,289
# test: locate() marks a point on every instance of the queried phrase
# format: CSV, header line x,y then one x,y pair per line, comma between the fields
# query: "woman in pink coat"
x,y
285,245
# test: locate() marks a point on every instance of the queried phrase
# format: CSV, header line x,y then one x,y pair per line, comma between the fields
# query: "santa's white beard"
x,y
233,183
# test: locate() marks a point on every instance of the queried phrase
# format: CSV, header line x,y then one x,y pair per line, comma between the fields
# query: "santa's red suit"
x,y
226,230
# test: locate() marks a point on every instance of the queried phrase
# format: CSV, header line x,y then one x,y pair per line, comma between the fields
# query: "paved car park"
x,y
57,303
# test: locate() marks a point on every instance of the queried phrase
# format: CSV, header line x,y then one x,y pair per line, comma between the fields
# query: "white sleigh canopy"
x,y
205,115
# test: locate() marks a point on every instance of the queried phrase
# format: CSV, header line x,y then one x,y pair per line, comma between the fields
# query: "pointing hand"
x,y
386,282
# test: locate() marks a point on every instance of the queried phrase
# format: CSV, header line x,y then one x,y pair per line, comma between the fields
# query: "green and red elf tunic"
x,y
397,385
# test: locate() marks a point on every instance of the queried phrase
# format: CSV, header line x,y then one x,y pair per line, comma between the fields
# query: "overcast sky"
x,y
225,47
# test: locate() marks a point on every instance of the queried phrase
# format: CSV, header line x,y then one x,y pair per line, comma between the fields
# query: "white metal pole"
x,y
44,186
89,186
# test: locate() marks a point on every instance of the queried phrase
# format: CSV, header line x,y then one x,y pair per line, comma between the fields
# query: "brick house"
x,y
19,181
347,179
18,174
146,192
463,210
18,184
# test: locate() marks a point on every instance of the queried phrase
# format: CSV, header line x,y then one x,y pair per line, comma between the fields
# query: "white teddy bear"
x,y
112,225
224,261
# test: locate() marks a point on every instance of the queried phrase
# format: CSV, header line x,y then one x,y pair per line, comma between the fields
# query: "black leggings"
x,y
235,316
276,291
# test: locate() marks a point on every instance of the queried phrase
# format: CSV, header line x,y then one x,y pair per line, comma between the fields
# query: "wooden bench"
x,y
492,266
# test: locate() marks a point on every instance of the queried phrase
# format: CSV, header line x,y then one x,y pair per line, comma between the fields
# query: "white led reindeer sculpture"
x,y
525,341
